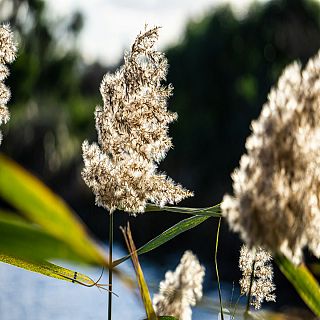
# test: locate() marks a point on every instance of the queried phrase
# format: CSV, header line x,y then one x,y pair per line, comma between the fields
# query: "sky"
x,y
111,25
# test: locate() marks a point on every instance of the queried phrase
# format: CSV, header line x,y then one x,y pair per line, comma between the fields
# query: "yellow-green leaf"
x,y
25,240
144,290
40,205
304,282
48,269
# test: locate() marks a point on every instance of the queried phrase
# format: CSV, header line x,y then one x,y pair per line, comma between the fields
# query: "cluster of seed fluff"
x,y
277,187
181,289
8,51
132,128
257,274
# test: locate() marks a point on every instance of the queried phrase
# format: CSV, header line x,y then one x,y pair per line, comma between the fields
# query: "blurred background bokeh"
x,y
224,57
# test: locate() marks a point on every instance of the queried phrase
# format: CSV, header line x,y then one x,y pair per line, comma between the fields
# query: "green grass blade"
x,y
214,211
48,269
40,205
303,281
166,236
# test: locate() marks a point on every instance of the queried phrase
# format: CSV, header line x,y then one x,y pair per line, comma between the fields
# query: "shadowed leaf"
x,y
40,205
303,281
25,240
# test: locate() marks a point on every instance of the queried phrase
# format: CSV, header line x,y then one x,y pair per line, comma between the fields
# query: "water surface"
x,y
26,295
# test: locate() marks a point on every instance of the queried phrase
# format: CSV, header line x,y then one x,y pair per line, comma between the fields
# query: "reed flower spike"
x,y
257,276
181,289
8,51
132,128
276,202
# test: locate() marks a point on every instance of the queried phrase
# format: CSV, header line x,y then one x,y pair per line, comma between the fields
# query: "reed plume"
x,y
181,289
8,51
132,127
277,186
257,276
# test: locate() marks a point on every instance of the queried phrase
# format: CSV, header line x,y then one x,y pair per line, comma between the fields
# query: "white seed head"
x,y
181,289
132,127
258,262
277,186
8,51
4,72
8,46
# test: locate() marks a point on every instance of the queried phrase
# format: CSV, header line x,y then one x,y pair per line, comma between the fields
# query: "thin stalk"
x,y
250,287
235,308
110,270
217,270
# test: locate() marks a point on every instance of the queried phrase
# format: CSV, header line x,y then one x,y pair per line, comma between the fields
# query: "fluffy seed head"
x,y
8,51
4,71
8,46
181,289
277,186
256,270
132,127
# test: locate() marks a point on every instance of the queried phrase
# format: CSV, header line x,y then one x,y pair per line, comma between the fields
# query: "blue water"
x,y
26,295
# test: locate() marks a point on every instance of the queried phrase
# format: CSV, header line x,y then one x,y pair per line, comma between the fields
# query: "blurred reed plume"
x,y
8,51
132,128
181,289
257,276
277,186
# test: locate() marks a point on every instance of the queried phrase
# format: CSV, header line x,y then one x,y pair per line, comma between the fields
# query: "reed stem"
x,y
217,270
250,288
110,261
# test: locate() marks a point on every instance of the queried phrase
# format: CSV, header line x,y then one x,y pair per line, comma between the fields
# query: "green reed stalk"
x,y
110,261
217,270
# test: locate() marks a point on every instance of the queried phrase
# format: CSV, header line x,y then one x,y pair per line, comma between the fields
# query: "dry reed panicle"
x,y
8,51
276,188
181,289
132,128
257,261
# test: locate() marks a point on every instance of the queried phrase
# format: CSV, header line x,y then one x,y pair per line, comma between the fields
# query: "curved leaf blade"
x,y
48,269
166,236
40,205
304,282
25,240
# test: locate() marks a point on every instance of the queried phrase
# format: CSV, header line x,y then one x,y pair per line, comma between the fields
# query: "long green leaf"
x,y
48,269
214,211
303,281
40,205
25,240
166,236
